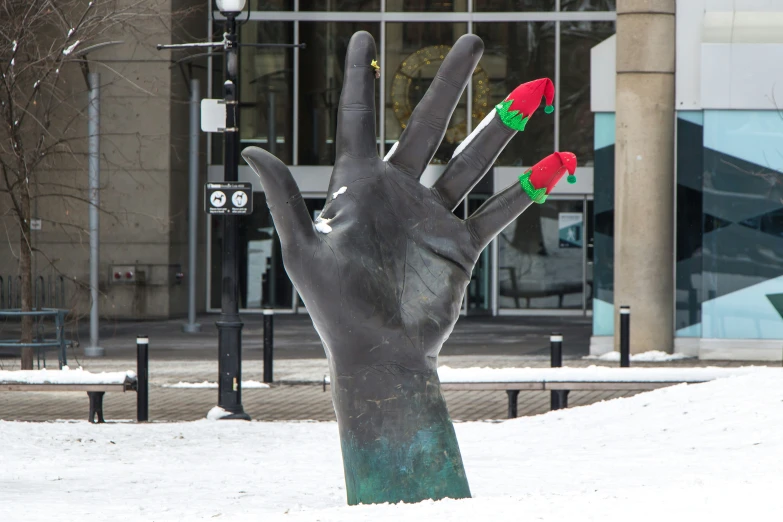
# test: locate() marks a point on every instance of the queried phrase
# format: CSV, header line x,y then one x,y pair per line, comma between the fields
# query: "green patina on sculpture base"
x,y
400,446
427,467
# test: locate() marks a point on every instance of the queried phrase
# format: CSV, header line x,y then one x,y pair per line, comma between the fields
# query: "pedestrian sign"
x,y
231,198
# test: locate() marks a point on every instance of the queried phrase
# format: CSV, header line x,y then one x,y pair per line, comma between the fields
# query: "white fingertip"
x,y
472,135
391,151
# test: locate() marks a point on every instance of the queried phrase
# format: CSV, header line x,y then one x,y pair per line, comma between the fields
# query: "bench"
x,y
65,380
40,344
563,380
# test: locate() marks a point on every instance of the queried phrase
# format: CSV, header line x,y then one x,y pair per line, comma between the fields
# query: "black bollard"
x,y
625,336
142,378
269,316
558,398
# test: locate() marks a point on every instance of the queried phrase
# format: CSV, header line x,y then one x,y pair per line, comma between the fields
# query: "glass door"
x,y
479,298
541,262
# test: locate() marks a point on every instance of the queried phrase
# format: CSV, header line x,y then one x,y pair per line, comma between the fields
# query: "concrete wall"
x,y
144,163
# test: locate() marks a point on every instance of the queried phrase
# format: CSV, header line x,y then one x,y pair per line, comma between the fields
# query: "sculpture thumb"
x,y
292,220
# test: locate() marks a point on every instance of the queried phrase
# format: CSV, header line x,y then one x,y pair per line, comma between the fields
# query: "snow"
x,y
71,47
651,356
322,225
207,384
340,191
217,413
391,151
13,46
472,135
706,452
65,376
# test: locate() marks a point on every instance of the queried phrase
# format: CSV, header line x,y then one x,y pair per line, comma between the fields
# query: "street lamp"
x,y
230,7
229,324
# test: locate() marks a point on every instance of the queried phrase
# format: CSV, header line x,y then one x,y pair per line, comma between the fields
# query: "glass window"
x,y
576,119
430,6
264,5
266,88
262,279
513,5
414,52
588,5
516,53
540,258
320,84
340,5
271,5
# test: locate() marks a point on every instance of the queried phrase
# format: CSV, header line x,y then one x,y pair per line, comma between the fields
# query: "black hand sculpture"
x,y
384,269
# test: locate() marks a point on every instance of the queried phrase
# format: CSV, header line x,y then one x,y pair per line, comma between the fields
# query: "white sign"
x,y
218,199
570,229
239,199
35,224
213,115
228,198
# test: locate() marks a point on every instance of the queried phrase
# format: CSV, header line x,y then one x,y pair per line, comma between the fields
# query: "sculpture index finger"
x,y
356,113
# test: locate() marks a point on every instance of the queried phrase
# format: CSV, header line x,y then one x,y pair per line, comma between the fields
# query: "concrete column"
x,y
644,172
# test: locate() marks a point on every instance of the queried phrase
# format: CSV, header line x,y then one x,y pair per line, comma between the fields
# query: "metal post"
x,y
512,403
625,336
271,122
142,378
230,325
93,350
191,326
60,327
558,398
269,322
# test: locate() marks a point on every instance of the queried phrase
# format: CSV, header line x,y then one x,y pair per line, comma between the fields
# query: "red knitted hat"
x,y
523,101
539,181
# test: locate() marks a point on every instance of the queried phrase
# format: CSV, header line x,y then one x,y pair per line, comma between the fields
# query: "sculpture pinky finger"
x,y
539,181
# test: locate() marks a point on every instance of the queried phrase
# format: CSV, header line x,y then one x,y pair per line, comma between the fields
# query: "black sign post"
x,y
228,198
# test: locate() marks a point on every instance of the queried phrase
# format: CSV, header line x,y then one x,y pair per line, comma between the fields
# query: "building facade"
x,y
728,193
289,98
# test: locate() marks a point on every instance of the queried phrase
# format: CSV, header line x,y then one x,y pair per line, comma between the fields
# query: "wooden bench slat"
x,y
613,386
526,386
64,387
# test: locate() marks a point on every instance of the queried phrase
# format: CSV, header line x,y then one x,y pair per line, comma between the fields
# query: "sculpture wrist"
x,y
397,439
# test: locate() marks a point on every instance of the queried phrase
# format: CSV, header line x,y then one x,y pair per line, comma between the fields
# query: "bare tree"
x,y
45,47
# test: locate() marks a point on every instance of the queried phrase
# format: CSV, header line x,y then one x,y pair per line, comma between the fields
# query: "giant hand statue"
x,y
384,268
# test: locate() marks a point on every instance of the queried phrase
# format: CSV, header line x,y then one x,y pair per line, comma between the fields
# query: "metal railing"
x,y
41,343
48,292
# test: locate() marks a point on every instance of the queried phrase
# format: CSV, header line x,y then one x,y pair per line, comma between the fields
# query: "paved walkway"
x,y
299,369
297,393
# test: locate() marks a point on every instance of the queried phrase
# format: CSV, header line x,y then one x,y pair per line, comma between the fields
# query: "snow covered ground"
x,y
706,452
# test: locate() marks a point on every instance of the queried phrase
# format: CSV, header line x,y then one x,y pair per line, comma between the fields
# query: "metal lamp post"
x,y
230,324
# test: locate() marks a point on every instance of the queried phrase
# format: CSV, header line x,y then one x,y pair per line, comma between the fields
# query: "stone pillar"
x,y
644,172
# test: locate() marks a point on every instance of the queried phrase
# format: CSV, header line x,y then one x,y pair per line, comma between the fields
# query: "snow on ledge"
x,y
651,356
65,376
207,384
595,374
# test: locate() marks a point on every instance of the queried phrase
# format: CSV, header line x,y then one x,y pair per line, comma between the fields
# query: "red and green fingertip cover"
x,y
523,101
539,181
